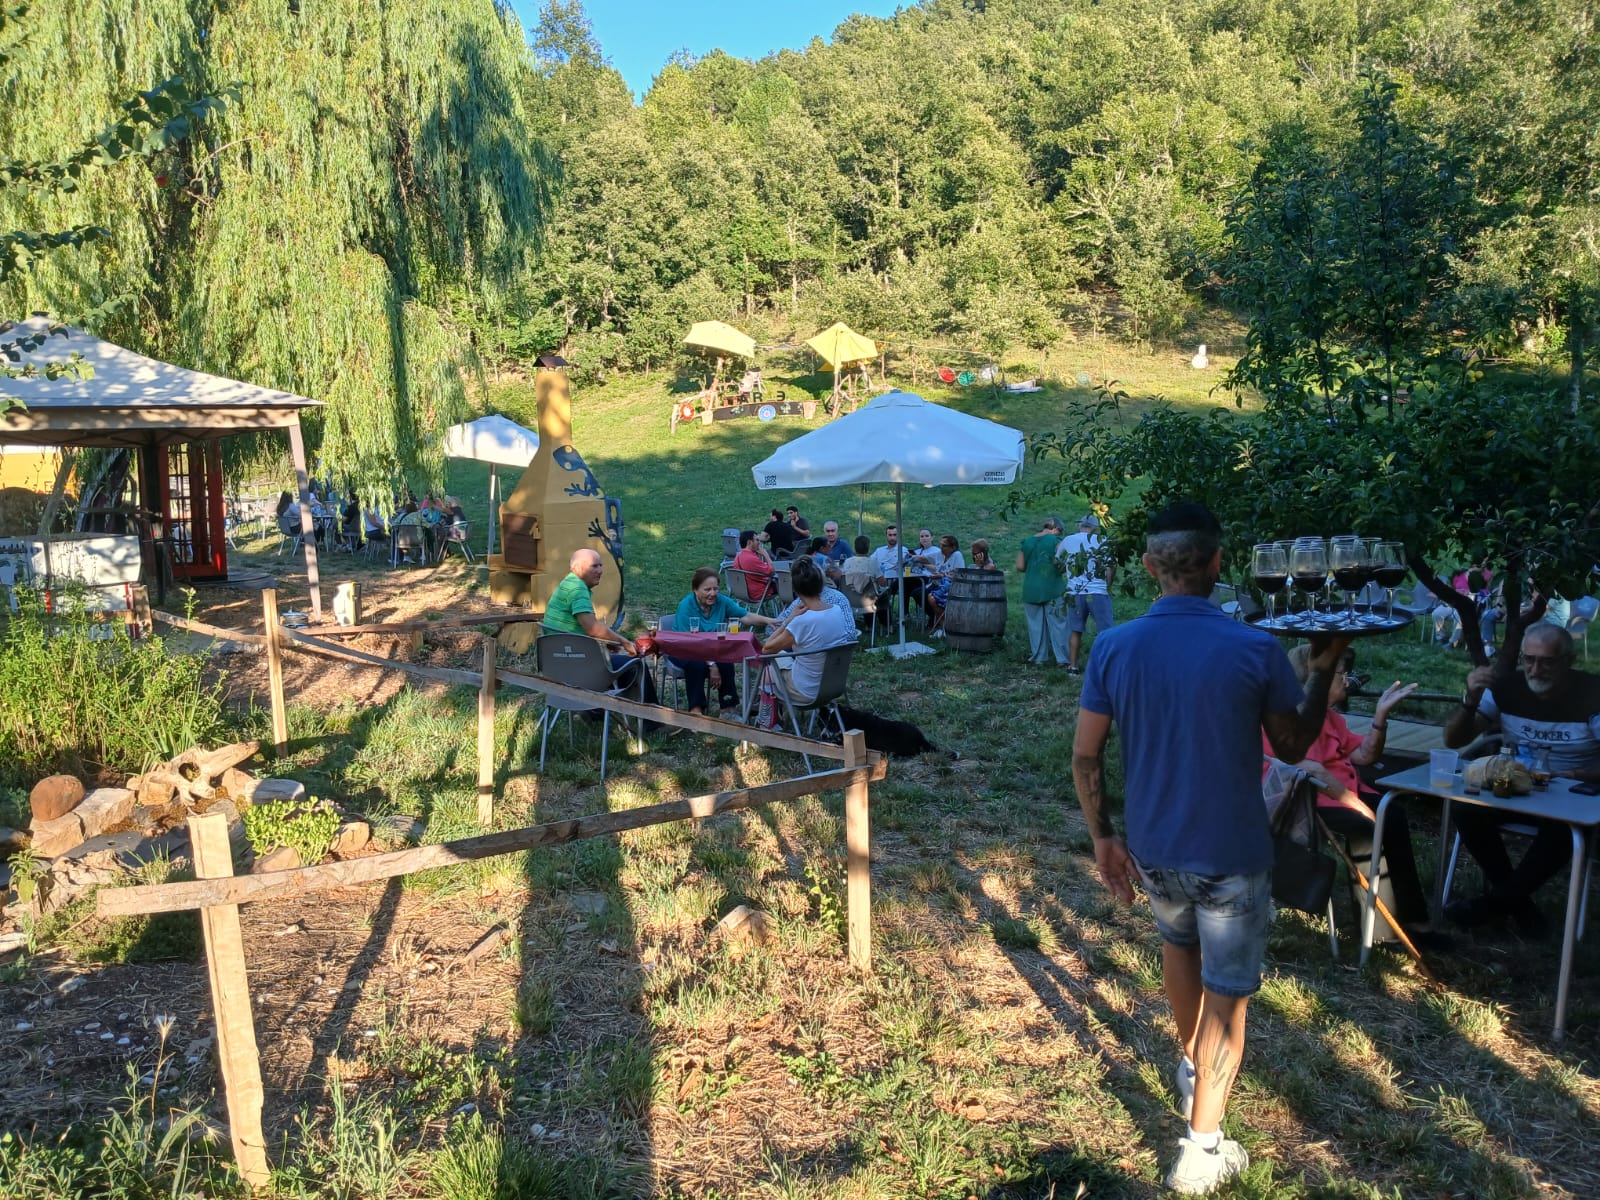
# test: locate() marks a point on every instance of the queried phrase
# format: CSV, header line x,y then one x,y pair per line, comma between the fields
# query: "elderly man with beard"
x,y
1546,706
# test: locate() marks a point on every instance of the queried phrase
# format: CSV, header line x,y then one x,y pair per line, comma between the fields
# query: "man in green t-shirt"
x,y
1042,585
571,610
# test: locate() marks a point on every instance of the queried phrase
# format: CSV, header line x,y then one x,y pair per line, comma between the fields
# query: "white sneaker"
x,y
1198,1170
1185,1090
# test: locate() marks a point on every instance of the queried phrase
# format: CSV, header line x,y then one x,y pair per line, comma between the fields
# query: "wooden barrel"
x,y
975,612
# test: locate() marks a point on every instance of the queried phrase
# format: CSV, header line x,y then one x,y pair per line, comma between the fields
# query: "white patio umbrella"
x,y
897,438
498,441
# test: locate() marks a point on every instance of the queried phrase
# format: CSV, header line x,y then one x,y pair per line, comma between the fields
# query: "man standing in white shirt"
x,y
1088,593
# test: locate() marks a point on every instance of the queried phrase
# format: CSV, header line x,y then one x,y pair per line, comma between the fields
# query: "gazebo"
x,y
173,420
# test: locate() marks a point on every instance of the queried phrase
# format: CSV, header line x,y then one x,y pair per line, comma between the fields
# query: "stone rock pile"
x,y
107,835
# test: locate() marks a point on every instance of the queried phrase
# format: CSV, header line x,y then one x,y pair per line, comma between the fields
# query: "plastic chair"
x,y
785,588
863,608
1229,599
290,535
1582,615
730,550
454,537
1420,603
405,539
669,671
579,661
830,689
740,588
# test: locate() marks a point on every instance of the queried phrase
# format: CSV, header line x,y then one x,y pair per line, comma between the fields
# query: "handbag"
x,y
1302,875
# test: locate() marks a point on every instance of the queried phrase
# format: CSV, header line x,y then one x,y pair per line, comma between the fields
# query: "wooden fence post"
x,y
858,856
230,1002
486,735
280,716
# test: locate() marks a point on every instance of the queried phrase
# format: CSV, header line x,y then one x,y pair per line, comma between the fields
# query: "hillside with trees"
x,y
406,190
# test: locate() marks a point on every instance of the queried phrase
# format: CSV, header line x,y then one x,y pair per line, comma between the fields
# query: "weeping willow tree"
x,y
309,238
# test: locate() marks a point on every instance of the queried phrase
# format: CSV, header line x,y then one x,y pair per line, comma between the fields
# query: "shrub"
x,y
306,827
81,697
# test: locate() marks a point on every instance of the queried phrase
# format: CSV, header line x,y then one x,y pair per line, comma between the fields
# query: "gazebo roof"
x,y
127,399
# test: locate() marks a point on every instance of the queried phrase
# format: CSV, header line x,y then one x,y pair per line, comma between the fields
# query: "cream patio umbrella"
x,y
498,441
897,438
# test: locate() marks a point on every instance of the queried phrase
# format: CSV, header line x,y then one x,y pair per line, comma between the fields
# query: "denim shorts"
x,y
1225,915
1090,604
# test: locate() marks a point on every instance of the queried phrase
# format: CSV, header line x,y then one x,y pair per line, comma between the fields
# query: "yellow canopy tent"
x,y
841,347
722,341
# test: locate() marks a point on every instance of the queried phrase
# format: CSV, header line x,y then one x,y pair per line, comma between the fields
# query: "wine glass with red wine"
x,y
1391,570
1347,556
1270,567
1308,571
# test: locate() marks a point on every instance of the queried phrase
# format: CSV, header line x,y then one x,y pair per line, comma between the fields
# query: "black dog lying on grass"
x,y
898,739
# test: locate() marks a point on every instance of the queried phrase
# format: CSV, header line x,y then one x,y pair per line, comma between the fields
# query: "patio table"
x,y
727,648
1557,802
707,647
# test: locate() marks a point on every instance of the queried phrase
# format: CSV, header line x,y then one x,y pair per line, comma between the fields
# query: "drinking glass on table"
x,y
1269,564
1347,556
1391,569
1308,571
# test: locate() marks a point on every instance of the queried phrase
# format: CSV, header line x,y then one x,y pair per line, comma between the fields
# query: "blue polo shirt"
x,y
1188,687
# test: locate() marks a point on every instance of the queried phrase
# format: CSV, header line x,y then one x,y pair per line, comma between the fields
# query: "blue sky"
x,y
638,36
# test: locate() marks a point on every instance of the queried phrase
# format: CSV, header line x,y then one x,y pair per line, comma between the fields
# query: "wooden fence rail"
x,y
217,892
277,885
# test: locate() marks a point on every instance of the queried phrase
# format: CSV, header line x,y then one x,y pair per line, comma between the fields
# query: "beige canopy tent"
x,y
118,398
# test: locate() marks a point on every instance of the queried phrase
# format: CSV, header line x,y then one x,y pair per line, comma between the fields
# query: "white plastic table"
x,y
1581,814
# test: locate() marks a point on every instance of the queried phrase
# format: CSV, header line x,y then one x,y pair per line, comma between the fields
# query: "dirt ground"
x,y
451,588
325,972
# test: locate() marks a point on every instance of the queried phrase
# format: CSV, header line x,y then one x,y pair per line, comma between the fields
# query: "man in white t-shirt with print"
x,y
1088,594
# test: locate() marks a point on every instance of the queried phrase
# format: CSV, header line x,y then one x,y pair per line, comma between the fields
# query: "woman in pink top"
x,y
1331,764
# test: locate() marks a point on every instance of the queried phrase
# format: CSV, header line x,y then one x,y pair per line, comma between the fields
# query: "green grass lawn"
x,y
1012,1040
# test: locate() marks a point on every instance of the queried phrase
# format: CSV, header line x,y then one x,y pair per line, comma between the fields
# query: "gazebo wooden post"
x,y
308,528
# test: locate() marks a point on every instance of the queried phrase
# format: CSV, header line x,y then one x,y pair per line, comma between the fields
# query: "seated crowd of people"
x,y
855,571
354,526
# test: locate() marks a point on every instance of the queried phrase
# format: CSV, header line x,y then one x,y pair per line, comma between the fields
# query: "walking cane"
x,y
1383,909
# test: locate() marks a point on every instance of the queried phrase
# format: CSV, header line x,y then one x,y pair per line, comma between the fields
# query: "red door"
x,y
192,502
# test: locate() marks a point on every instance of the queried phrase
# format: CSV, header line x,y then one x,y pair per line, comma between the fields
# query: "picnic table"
x,y
1557,802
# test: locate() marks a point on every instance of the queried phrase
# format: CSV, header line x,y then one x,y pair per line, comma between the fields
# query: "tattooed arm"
x,y
1089,779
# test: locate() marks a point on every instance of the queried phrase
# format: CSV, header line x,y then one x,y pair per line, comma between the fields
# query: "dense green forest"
x,y
404,190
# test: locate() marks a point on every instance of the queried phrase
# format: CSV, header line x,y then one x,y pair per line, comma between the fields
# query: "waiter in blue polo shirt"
x,y
1191,691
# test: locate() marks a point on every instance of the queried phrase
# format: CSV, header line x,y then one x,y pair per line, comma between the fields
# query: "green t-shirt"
x,y
570,598
1041,579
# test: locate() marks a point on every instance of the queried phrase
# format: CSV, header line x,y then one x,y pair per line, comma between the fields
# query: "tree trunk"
x,y
1575,331
1466,608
